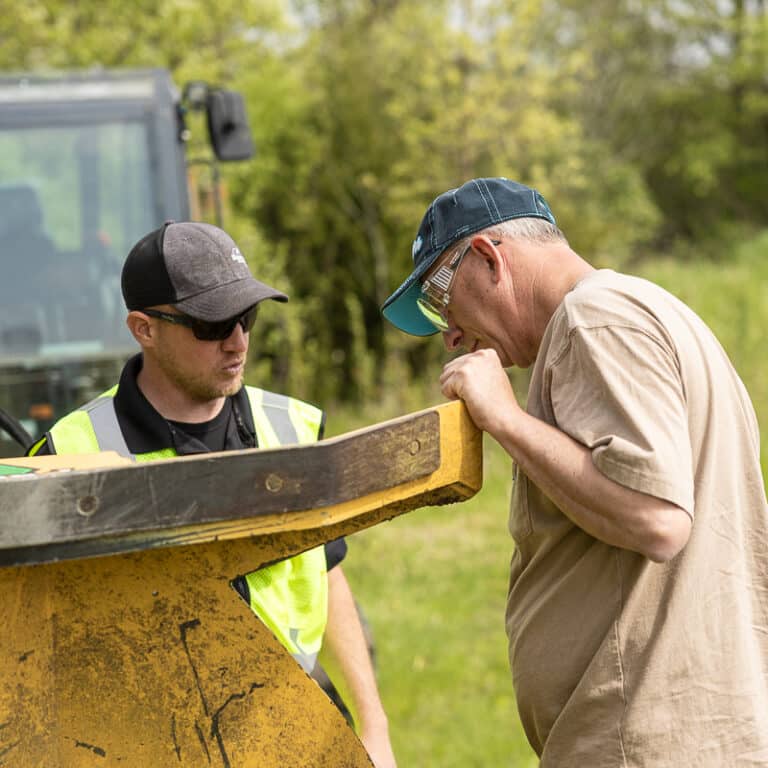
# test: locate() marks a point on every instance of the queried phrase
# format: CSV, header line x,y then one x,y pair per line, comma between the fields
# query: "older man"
x,y
637,613
192,302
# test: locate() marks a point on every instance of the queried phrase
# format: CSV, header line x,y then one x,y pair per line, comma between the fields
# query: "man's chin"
x,y
233,388
225,389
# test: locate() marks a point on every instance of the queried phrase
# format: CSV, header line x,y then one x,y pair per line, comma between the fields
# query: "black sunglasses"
x,y
207,330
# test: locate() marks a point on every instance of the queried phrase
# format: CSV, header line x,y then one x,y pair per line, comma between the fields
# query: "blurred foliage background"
x,y
643,122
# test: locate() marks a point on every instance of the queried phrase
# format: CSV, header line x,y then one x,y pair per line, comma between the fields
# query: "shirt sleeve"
x,y
335,552
618,390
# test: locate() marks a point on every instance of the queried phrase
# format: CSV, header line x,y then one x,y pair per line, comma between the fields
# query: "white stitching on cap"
x,y
482,195
490,196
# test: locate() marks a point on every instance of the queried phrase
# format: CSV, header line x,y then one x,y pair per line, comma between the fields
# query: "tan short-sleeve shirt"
x,y
616,660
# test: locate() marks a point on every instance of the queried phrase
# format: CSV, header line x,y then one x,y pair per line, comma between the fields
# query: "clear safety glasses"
x,y
436,291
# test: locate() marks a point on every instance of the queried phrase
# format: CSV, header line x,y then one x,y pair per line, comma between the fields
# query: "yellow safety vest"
x,y
291,596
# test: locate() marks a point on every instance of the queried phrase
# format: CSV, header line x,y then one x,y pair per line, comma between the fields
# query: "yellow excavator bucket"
x,y
123,642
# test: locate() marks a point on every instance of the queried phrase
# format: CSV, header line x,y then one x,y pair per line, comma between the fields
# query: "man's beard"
x,y
199,388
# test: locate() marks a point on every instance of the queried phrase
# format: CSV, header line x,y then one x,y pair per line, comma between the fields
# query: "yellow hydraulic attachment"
x,y
122,642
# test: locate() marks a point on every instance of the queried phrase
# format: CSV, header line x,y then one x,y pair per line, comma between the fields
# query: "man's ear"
x,y
492,257
141,328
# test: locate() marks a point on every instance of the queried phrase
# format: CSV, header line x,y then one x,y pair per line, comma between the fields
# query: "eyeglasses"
x,y
207,330
436,292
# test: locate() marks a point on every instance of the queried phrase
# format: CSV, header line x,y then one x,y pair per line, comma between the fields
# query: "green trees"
x,y
679,90
392,103
644,122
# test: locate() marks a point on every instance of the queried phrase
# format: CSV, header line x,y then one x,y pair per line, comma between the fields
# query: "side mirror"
x,y
228,125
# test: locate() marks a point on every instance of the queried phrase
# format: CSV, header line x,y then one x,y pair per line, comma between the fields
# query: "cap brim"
x,y
402,311
228,300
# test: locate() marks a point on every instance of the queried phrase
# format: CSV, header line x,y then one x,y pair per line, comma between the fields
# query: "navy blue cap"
x,y
452,216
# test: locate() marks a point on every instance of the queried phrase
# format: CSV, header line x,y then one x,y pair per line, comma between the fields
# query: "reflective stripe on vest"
x,y
279,418
106,427
291,596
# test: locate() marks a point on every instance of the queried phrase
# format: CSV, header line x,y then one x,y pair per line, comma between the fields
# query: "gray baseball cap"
x,y
195,267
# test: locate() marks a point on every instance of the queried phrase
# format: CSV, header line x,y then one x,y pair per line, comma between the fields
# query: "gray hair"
x,y
529,228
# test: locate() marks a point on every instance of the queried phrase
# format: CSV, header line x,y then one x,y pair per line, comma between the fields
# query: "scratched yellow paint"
x,y
151,658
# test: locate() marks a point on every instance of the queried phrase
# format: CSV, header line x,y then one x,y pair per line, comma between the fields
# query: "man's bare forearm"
x,y
563,469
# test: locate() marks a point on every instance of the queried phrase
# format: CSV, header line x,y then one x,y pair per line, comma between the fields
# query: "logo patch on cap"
x,y
416,247
236,255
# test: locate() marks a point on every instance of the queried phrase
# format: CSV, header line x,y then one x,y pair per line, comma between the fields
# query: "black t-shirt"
x,y
145,431
212,435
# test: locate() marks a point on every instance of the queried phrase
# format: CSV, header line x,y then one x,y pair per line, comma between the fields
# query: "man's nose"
x,y
237,340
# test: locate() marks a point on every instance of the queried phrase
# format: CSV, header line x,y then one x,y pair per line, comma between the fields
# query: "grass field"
x,y
433,582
